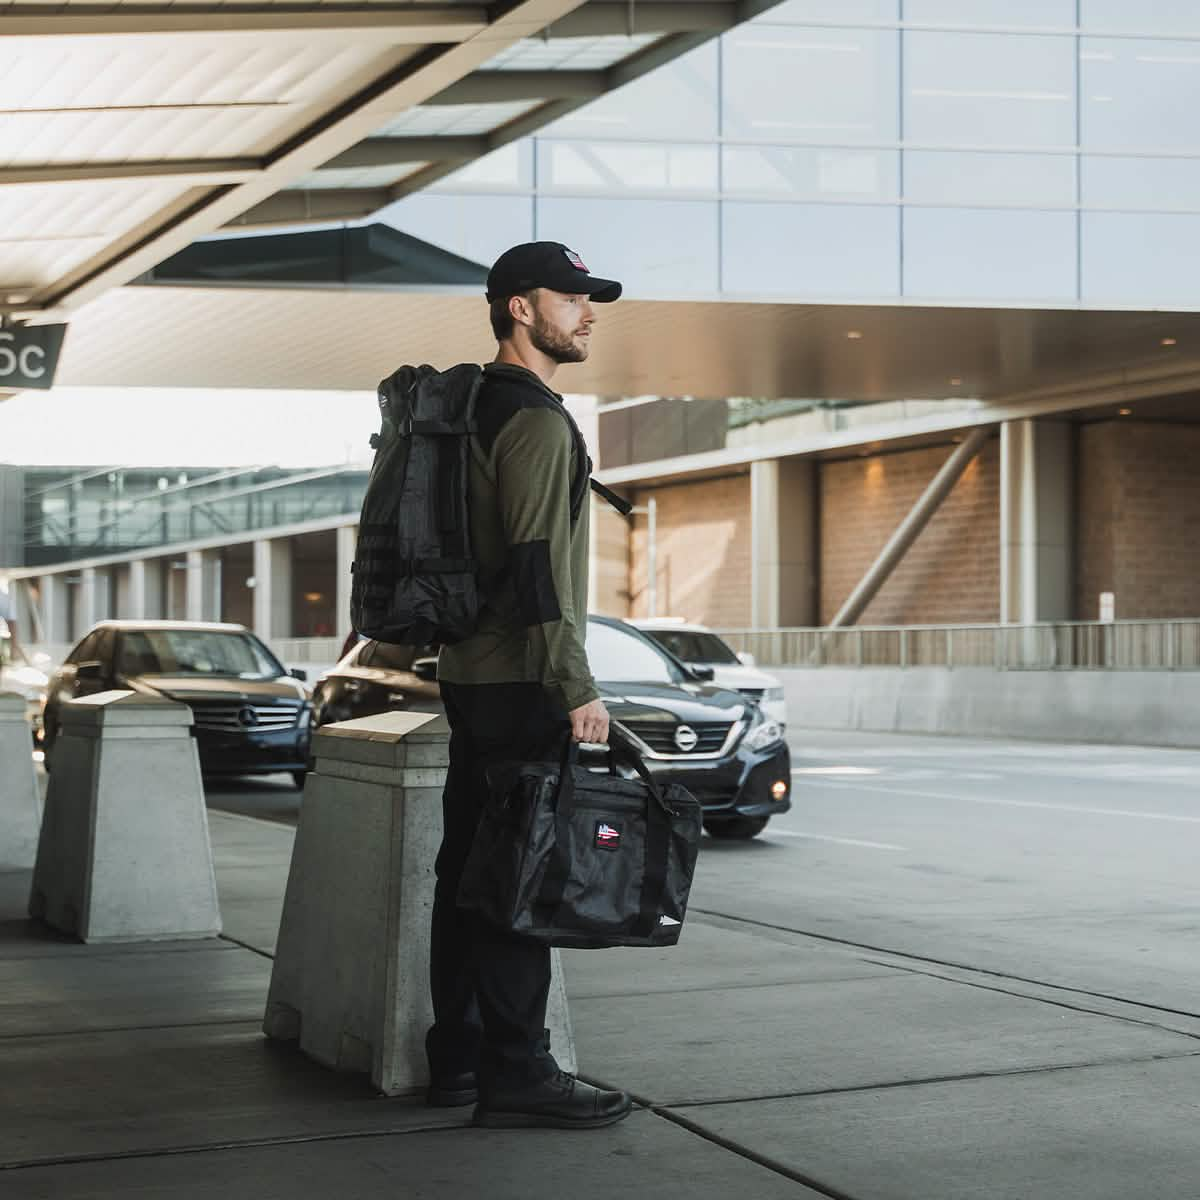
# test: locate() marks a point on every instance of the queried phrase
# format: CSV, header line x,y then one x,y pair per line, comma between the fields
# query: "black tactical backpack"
x,y
415,578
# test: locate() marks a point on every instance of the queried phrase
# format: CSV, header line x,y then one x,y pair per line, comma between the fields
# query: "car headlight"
x,y
775,693
762,734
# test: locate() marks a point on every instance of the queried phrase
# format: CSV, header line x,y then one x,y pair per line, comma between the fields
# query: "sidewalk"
x,y
767,1064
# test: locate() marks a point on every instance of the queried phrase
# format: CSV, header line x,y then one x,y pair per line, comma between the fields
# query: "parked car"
x,y
698,646
19,675
724,748
252,716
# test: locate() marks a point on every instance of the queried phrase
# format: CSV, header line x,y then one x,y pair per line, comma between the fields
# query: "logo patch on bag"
x,y
575,260
608,837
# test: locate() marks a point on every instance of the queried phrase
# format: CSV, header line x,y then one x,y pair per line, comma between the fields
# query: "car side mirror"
x,y
299,673
746,659
89,672
703,674
425,669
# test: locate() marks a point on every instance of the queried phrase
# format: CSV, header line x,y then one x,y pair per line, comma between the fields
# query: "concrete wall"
x,y
952,572
704,552
1139,509
1143,708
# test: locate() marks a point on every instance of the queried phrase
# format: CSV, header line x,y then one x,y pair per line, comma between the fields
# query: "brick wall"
x,y
1138,513
952,571
703,552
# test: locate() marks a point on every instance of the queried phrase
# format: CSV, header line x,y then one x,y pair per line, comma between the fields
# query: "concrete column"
x,y
136,600
273,588
1037,486
25,614
86,603
55,626
203,585
347,539
784,562
122,583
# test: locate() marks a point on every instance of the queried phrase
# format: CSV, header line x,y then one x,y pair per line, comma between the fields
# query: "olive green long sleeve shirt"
x,y
529,469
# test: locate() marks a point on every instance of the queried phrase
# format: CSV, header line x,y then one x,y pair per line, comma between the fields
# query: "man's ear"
x,y
520,308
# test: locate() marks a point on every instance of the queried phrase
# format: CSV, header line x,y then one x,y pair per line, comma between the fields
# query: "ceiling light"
x,y
955,381
1167,342
855,335
1125,411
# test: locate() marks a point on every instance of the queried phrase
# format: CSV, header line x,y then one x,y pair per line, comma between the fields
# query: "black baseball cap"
x,y
546,265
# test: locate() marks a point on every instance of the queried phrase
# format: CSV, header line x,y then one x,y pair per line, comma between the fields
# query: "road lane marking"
x,y
1068,808
841,841
837,770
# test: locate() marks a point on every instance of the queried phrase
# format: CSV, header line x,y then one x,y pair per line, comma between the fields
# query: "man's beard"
x,y
553,344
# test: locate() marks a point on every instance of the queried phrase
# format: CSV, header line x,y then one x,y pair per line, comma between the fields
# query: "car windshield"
x,y
694,647
195,652
617,656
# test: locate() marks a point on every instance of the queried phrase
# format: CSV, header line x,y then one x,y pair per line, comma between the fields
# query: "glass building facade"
x,y
1025,153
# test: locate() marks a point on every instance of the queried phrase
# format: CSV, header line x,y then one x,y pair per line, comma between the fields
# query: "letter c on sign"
x,y
27,367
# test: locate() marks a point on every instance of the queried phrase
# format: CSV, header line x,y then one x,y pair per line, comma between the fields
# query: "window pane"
x,y
1146,16
1139,94
797,12
1141,182
619,657
837,173
1044,14
678,100
655,247
480,228
811,250
989,89
509,167
963,177
989,254
626,166
1150,259
814,85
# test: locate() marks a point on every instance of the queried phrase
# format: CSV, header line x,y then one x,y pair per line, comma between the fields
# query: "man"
x,y
516,688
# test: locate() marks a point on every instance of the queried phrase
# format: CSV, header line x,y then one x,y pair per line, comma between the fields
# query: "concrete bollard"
x,y
124,853
20,804
351,975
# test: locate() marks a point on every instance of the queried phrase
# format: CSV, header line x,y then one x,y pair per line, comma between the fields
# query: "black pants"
x,y
489,987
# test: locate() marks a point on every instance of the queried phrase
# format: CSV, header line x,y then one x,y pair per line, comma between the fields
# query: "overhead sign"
x,y
29,355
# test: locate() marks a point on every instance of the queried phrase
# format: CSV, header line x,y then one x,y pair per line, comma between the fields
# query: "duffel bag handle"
x,y
621,750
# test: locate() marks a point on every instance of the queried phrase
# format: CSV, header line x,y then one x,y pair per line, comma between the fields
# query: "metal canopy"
x,y
350,338
347,256
128,130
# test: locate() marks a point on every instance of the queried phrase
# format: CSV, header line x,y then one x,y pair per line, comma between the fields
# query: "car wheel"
x,y
736,829
298,778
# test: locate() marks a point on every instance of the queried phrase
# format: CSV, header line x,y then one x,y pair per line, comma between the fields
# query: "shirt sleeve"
x,y
533,457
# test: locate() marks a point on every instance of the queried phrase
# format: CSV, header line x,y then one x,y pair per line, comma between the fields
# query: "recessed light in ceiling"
x,y
1124,411
955,381
855,335
1167,342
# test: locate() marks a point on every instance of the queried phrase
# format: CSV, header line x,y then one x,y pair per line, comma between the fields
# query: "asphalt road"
x,y
1068,865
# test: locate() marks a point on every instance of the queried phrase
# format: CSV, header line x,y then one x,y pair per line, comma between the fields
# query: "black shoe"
x,y
560,1102
452,1091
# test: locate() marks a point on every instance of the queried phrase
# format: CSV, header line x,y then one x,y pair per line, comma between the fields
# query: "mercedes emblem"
x,y
247,717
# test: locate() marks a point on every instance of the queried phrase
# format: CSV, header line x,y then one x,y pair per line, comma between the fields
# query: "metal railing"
x,y
1067,645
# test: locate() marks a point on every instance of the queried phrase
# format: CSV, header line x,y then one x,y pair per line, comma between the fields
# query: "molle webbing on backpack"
x,y
414,574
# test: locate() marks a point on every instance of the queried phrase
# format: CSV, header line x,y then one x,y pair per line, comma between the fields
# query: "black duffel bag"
x,y
573,857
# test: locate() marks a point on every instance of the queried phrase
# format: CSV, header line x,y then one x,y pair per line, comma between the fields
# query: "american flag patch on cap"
x,y
575,260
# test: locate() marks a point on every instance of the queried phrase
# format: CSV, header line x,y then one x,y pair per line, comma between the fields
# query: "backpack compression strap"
x,y
618,502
